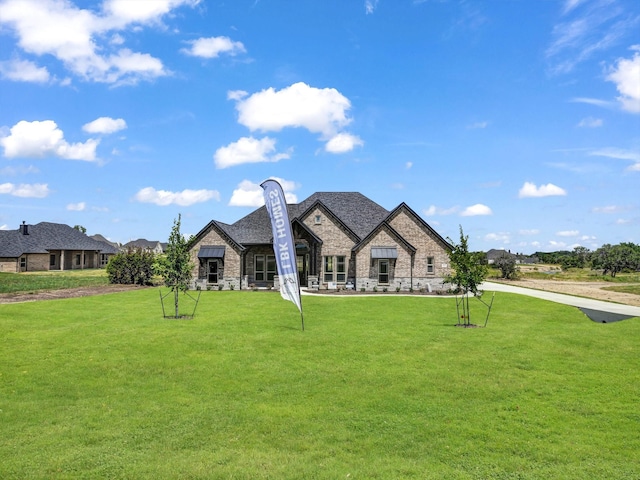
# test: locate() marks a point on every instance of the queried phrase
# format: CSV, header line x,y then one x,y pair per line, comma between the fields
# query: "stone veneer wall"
x,y
334,241
9,265
231,269
426,246
367,267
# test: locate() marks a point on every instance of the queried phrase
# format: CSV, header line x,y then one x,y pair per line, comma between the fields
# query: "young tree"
x,y
176,267
469,272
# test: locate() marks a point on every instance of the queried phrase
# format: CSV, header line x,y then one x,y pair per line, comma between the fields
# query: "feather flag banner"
x,y
283,243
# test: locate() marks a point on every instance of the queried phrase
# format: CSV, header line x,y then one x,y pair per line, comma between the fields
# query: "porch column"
x,y
61,259
82,261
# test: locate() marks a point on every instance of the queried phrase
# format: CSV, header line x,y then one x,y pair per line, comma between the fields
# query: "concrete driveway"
x,y
579,302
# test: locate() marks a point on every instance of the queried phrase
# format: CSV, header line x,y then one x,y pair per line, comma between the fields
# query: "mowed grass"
x,y
51,280
374,388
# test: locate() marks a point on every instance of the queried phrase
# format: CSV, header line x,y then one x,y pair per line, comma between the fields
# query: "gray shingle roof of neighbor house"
x,y
46,236
142,243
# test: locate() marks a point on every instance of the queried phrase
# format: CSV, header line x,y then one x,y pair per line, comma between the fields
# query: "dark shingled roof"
x,y
46,236
354,210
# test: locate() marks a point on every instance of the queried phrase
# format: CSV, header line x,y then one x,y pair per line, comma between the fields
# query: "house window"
x,y
52,260
335,269
78,259
271,267
383,271
212,271
23,263
259,267
318,220
341,269
430,266
264,267
328,269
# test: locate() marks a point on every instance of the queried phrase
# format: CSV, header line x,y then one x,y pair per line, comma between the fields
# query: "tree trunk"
x,y
175,300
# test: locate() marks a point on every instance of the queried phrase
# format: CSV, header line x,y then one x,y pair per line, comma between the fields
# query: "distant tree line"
x,y
611,259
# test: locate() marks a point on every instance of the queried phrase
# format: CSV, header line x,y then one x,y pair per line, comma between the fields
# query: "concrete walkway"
x,y
565,299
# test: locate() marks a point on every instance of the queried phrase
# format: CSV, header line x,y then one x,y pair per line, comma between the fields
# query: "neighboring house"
x,y
101,238
146,245
494,254
341,239
51,246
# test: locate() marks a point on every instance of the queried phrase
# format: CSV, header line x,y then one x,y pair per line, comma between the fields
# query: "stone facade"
x,y
427,246
228,266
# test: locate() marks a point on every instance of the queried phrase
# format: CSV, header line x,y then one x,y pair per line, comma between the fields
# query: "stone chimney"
x,y
24,228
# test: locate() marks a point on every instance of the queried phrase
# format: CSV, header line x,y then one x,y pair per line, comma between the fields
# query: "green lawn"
x,y
375,387
52,280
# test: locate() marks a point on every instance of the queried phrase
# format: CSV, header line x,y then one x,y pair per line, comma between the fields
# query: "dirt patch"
x,y
581,289
65,293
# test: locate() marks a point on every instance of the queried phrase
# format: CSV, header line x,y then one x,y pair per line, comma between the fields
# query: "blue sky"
x,y
517,120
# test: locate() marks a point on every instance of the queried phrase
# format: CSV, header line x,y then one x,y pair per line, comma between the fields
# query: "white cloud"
x,y
586,31
533,231
82,39
249,194
594,101
408,165
212,47
608,209
475,210
623,221
433,210
12,171
370,6
626,76
24,71
35,190
124,12
478,125
568,233
621,154
105,125
248,150
590,122
40,139
342,143
319,110
4,227
503,237
77,207
185,198
531,190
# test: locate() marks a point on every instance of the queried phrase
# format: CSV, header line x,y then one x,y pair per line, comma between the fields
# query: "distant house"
x,y
51,246
146,245
100,238
342,239
495,254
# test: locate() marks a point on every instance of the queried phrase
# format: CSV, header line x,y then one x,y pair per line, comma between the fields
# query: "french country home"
x,y
51,246
342,240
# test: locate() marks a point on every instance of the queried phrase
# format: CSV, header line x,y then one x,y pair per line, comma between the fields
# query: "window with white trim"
x,y
431,268
327,268
334,268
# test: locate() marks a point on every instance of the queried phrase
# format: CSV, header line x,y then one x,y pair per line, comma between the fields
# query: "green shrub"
x,y
133,267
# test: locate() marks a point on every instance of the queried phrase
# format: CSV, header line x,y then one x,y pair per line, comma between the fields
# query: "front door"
x,y
212,271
